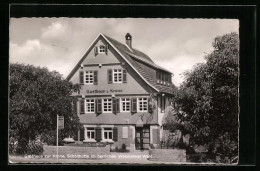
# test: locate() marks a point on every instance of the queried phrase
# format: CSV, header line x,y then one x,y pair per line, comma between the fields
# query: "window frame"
x,y
124,101
117,73
139,101
94,107
88,74
101,50
103,105
89,129
108,130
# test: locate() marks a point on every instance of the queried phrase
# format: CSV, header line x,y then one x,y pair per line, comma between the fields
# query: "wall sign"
x,y
104,91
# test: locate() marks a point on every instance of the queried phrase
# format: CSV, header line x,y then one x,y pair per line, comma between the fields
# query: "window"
x,y
89,77
125,104
90,133
90,105
108,133
125,132
162,104
102,49
117,76
142,104
107,105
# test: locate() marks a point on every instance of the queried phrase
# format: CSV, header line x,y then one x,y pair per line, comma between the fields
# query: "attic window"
x,y
102,49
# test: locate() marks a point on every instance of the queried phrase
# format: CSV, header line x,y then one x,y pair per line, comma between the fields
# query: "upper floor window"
x,y
125,104
117,76
89,77
143,104
90,105
107,105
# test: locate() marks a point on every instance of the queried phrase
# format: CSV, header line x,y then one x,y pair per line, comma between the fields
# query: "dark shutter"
x,y
106,50
95,77
124,76
109,76
75,106
98,106
98,132
82,106
81,77
96,50
115,134
76,135
116,105
134,105
81,134
150,107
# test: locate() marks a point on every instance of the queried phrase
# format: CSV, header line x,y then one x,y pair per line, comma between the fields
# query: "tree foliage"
x,y
36,96
207,101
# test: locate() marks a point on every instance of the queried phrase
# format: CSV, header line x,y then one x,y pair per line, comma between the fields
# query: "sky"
x,y
59,43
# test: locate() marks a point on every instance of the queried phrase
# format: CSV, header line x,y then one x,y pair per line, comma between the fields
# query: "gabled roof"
x,y
131,56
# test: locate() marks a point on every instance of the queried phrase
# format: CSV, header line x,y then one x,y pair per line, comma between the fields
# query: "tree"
x,y
36,96
207,101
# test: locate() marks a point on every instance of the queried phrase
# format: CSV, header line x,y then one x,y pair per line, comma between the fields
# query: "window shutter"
x,y
95,77
98,132
75,106
109,76
81,77
82,132
150,107
82,106
98,106
134,105
116,108
96,50
124,76
115,134
106,50
118,105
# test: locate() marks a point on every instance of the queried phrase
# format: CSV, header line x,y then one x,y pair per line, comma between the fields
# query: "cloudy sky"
x,y
58,43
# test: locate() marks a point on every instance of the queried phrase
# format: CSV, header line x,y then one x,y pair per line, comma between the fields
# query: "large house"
x,y
123,94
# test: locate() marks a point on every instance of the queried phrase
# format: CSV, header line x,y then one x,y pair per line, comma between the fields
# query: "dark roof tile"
x,y
125,51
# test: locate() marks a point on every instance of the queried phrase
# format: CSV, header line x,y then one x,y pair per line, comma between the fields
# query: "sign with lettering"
x,y
104,91
61,122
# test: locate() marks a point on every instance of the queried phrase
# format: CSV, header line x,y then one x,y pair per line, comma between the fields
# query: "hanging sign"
x,y
60,122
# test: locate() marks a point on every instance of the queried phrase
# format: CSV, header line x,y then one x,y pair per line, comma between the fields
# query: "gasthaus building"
x,y
123,94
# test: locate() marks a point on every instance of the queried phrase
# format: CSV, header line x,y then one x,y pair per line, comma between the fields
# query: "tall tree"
x,y
207,101
36,96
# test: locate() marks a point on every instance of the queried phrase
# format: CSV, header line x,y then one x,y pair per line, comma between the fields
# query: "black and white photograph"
x,y
124,90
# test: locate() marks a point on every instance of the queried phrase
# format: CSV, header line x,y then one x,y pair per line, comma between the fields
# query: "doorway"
x,y
142,138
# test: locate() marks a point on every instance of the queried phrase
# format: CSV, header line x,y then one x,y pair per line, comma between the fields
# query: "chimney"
x,y
128,39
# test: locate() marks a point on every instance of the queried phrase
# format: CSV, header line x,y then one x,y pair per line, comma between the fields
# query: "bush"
x,y
12,145
32,147
35,148
50,138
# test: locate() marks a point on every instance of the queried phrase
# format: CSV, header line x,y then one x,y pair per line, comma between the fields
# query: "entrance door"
x,y
142,138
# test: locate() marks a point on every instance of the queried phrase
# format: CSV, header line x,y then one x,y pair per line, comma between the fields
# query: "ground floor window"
x,y
90,133
108,133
